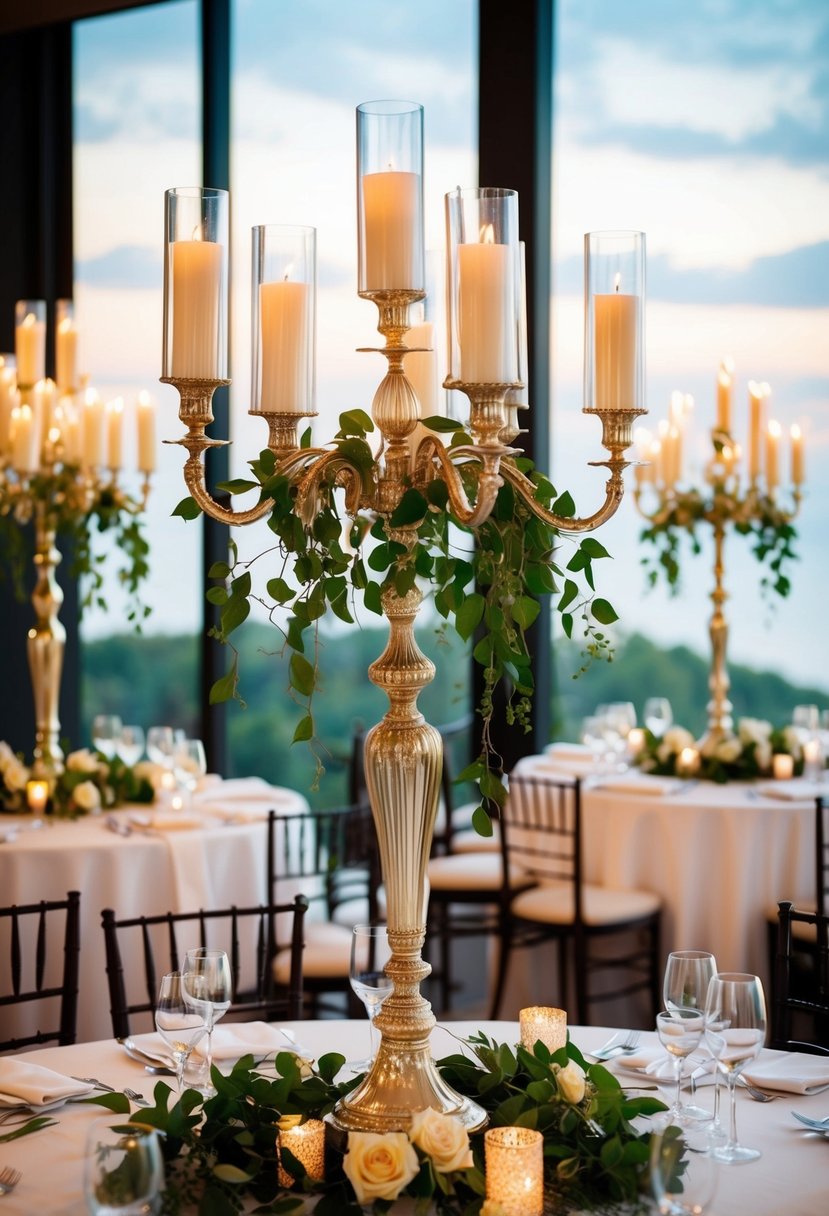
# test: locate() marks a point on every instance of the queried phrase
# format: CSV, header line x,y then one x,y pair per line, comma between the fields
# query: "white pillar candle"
x,y
772,454
391,212
724,386
66,355
146,433
782,766
8,400
487,324
798,457
114,413
92,430
756,394
26,448
616,338
283,318
197,280
71,436
30,348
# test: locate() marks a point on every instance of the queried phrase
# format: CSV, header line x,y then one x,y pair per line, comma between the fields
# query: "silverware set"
x,y
9,1179
621,1044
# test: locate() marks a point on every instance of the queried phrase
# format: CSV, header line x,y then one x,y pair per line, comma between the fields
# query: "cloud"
x,y
136,267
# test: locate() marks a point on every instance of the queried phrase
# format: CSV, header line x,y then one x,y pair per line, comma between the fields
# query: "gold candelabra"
x,y
727,503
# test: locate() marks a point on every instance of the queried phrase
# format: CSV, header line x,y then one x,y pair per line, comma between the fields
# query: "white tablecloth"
x,y
717,855
791,1177
213,865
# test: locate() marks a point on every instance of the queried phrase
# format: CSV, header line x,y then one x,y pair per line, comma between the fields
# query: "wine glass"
x,y
123,1169
735,1030
370,951
207,985
685,986
106,731
160,745
130,745
189,762
680,1031
683,1172
657,715
179,1023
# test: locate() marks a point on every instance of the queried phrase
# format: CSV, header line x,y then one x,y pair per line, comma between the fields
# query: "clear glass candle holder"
x,y
614,321
545,1023
515,1170
484,287
390,198
30,341
66,347
196,224
283,312
306,1142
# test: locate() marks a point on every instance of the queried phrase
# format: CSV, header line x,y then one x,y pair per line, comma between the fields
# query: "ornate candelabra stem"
x,y
45,646
719,708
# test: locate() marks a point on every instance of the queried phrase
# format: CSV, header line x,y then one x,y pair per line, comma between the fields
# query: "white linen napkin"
x,y
241,789
636,783
568,751
655,1062
243,1038
153,1044
789,1071
36,1085
796,790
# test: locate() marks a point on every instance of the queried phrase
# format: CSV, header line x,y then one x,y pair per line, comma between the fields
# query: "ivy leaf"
x,y
569,593
304,730
356,422
593,547
217,595
564,505
234,613
525,610
219,570
436,422
301,675
279,590
410,510
604,612
225,687
469,616
188,508
481,822
237,485
372,598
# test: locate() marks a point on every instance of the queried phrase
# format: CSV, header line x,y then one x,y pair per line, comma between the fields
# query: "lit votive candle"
x,y
545,1023
635,741
812,759
782,766
37,795
306,1142
687,761
515,1170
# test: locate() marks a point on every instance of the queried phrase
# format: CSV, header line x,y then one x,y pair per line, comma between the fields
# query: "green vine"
x,y
485,581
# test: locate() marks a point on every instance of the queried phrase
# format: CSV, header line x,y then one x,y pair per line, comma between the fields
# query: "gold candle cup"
x,y
543,1022
306,1141
37,796
515,1170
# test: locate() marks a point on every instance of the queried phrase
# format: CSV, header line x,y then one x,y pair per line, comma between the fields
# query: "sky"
x,y
705,126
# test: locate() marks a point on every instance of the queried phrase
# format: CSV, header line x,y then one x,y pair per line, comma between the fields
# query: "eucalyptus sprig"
x,y
485,581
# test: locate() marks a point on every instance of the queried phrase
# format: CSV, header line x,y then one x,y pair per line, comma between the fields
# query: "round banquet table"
x,y
792,1176
211,856
719,856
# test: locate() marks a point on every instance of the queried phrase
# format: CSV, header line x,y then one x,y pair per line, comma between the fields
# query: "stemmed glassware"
x,y
160,745
106,731
685,986
130,744
683,1173
657,715
179,1022
124,1169
189,762
680,1031
370,951
735,1030
207,986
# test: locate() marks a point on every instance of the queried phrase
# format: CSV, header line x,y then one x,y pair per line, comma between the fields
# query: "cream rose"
x,y
729,750
379,1166
754,730
6,755
15,775
82,761
673,742
571,1083
443,1138
791,741
86,796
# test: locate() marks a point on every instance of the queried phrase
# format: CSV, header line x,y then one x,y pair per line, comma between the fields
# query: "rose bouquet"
x,y
89,783
743,756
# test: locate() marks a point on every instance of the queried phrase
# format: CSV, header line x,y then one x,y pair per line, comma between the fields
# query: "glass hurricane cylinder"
x,y
614,321
30,341
283,310
390,198
196,222
484,286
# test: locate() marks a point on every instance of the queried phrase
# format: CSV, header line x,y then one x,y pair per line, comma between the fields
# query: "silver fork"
x,y
759,1095
612,1049
110,1089
9,1179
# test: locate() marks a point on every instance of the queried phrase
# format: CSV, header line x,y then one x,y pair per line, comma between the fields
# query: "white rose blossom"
x,y
673,742
6,755
754,730
791,741
86,796
16,775
82,761
379,1166
443,1138
571,1082
762,754
729,750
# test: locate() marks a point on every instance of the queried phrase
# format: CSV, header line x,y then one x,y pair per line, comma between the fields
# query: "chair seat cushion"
x,y
469,841
327,953
465,872
552,904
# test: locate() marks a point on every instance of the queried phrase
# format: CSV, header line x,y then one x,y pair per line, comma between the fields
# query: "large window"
x,y
705,126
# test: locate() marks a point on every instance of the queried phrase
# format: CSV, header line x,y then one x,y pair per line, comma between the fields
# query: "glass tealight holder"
x,y
306,1142
515,1170
614,322
196,225
545,1023
484,287
283,311
30,342
390,198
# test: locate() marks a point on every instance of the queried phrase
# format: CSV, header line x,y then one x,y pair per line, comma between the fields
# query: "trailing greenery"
x,y
224,1151
485,581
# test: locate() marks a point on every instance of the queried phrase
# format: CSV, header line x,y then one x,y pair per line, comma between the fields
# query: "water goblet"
x,y
189,762
370,951
106,731
683,1171
160,744
680,1032
735,1030
657,715
179,1023
207,986
130,745
685,986
123,1169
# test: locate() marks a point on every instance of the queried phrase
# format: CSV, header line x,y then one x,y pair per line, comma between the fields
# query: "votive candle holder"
x,y
543,1022
515,1170
306,1142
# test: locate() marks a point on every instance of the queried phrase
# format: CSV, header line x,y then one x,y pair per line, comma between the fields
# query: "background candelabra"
x,y
60,461
399,484
741,491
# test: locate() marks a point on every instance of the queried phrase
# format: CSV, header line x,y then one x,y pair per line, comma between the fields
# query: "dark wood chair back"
x,y
42,926
811,1003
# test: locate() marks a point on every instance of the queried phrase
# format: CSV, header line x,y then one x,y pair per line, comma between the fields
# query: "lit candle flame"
x,y
487,234
618,280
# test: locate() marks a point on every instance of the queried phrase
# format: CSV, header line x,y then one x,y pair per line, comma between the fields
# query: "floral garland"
x,y
740,757
89,783
221,1150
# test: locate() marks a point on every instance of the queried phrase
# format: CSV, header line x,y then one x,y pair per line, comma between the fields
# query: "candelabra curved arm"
x,y
487,475
614,492
657,517
330,466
